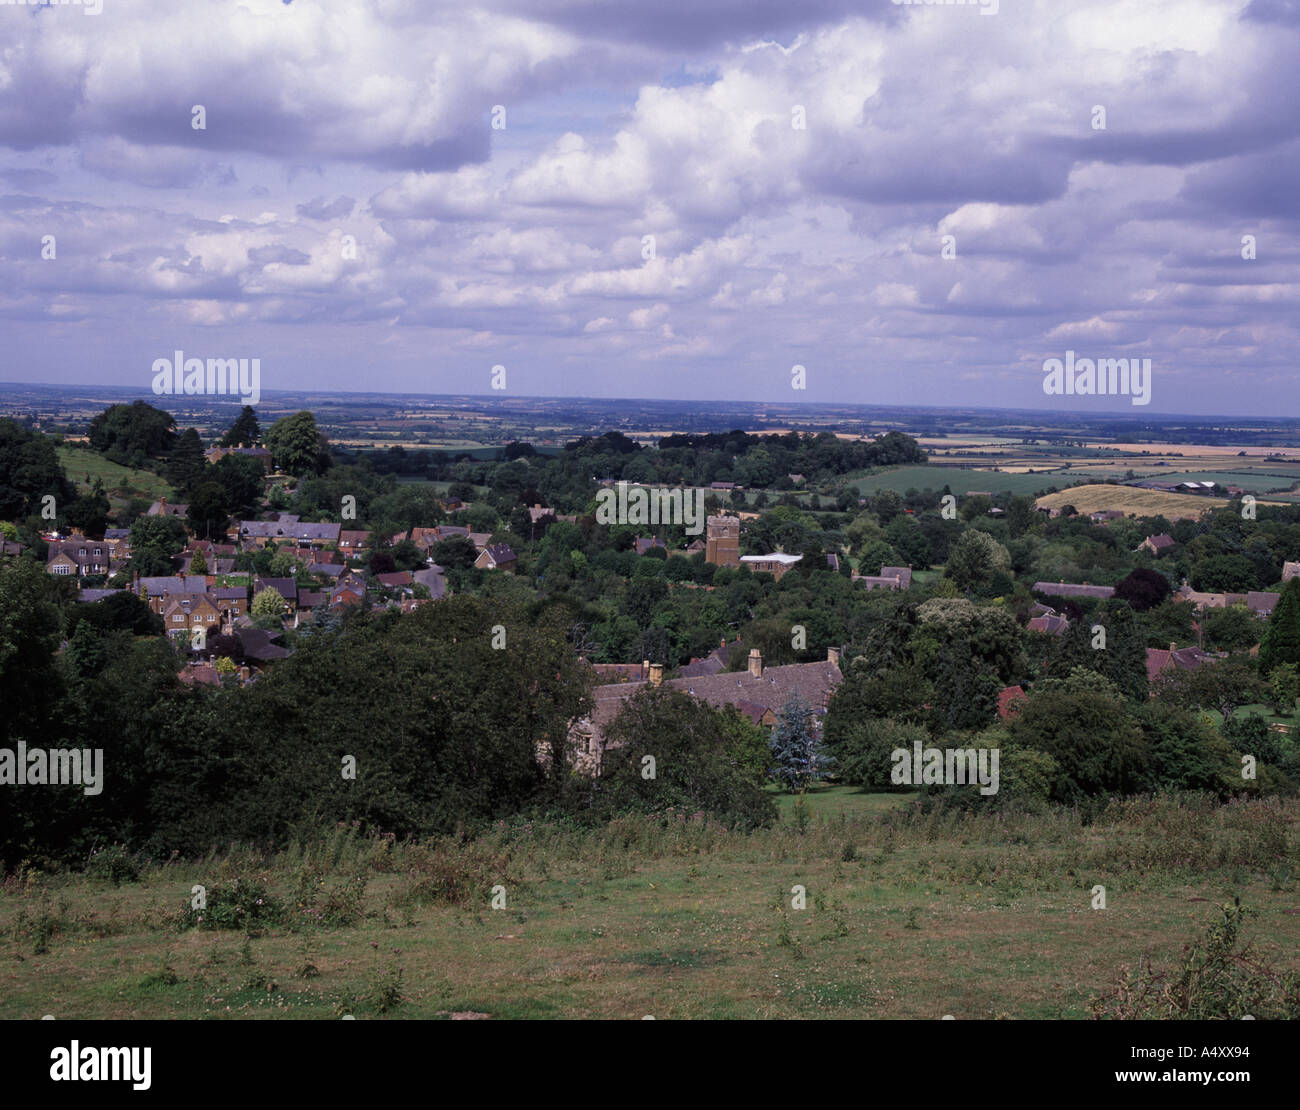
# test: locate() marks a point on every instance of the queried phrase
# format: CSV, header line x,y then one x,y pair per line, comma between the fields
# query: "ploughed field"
x,y
907,915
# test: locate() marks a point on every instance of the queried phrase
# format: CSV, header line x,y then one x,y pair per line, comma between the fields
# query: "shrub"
x,y
114,864
1218,977
447,875
243,904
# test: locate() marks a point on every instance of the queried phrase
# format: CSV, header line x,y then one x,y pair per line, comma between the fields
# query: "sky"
x,y
915,204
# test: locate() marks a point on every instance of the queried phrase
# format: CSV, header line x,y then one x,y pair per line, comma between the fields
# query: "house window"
x,y
177,619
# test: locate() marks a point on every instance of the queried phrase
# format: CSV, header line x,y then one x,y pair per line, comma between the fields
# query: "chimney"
x,y
756,662
833,655
656,674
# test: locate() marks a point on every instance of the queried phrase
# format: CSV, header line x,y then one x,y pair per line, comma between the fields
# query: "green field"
x,y
83,466
901,479
1262,481
908,915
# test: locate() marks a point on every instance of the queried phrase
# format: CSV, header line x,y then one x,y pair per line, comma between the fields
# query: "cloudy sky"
x,y
400,194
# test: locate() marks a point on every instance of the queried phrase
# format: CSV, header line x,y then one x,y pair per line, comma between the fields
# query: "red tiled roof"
x,y
1008,696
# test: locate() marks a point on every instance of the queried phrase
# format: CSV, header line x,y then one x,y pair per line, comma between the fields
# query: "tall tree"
x,y
30,629
243,479
268,603
297,446
1111,644
186,463
1281,642
1084,723
29,469
89,512
245,431
208,518
973,559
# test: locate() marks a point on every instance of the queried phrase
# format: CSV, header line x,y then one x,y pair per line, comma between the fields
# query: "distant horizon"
x,y
1143,415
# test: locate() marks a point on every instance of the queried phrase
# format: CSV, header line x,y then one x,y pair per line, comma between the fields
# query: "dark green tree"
x,y
1224,686
243,479
31,626
1143,589
244,432
89,512
1110,643
133,434
29,469
1281,643
186,464
700,763
208,517
297,446
1085,725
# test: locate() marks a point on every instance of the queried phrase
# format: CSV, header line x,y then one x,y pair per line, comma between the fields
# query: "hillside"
x,y
83,466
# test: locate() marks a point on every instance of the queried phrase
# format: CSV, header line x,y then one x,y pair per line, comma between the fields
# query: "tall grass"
x,y
1163,838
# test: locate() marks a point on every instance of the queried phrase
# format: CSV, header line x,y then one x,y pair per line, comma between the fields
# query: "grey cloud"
x,y
1285,12
340,208
29,179
692,25
1259,186
277,252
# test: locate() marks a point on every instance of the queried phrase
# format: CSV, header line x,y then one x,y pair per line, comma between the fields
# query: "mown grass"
x,y
908,915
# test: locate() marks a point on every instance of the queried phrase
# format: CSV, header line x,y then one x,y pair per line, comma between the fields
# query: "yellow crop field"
x,y
1127,499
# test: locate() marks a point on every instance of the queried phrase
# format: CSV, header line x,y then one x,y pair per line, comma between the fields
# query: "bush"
x,y
245,904
113,864
863,754
447,875
1218,978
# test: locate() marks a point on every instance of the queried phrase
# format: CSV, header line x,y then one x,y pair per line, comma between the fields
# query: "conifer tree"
x,y
798,754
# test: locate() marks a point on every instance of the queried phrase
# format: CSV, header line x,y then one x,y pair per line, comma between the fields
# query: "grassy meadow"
x,y
908,915
958,479
121,483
